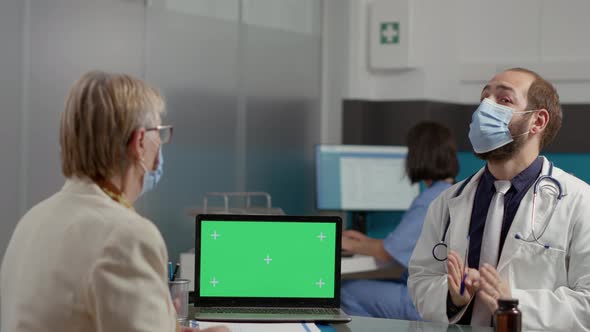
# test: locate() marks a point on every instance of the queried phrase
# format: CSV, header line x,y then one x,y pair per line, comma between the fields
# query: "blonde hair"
x,y
102,112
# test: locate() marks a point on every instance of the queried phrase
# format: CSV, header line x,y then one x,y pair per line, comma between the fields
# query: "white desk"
x,y
389,325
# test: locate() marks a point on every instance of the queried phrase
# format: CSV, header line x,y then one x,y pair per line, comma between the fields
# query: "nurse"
x,y
432,158
518,228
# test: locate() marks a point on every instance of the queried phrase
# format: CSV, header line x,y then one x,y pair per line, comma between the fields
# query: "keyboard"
x,y
288,311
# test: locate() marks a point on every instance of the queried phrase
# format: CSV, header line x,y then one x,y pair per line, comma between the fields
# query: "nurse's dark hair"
x,y
543,94
432,152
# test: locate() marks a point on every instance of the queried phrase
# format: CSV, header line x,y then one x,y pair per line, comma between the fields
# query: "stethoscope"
x,y
439,251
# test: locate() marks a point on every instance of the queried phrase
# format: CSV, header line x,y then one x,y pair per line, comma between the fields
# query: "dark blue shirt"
x,y
483,197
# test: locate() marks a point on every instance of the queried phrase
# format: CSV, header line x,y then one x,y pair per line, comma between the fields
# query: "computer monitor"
x,y
363,178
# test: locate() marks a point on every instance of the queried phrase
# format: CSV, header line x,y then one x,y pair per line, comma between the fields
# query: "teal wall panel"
x,y
379,224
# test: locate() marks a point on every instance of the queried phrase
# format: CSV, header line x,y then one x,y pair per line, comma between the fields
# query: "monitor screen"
x,y
363,178
269,259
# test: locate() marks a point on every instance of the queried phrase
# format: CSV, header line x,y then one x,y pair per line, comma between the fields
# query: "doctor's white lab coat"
x,y
552,285
79,261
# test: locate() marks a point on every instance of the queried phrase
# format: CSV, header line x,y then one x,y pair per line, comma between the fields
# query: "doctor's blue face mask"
x,y
489,126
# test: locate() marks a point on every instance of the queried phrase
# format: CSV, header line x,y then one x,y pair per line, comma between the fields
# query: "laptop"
x,y
252,268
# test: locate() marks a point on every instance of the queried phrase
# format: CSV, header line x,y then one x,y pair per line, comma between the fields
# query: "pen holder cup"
x,y
179,291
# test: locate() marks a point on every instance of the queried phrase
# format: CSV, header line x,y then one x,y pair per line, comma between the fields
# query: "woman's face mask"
x,y
151,178
489,128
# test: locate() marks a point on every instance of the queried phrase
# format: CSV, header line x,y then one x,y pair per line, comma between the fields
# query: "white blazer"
x,y
552,285
79,261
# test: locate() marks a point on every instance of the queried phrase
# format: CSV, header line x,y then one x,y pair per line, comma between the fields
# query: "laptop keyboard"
x,y
288,311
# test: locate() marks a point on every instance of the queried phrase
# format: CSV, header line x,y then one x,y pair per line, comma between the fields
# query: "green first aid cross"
x,y
267,259
389,32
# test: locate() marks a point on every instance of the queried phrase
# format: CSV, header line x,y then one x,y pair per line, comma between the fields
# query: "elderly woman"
x,y
83,259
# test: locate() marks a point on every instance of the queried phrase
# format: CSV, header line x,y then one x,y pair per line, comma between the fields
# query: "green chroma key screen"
x,y
267,259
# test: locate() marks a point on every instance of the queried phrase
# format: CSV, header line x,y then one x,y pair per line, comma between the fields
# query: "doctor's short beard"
x,y
509,150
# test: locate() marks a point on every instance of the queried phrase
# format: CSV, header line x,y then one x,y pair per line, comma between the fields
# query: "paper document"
x,y
358,263
263,327
187,268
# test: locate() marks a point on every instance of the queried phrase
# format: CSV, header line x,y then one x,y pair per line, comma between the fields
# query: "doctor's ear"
x,y
541,120
135,145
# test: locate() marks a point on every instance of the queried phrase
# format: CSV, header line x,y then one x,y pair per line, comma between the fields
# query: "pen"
x,y
462,290
170,271
175,272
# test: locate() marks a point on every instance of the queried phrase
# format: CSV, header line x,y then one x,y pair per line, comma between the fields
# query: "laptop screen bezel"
x,y
210,301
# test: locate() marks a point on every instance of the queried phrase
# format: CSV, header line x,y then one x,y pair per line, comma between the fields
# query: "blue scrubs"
x,y
390,299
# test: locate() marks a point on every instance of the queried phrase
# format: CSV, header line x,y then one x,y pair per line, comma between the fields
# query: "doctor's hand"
x,y
492,287
455,275
359,243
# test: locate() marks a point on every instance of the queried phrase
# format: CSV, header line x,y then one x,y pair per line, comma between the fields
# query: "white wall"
x,y
462,43
241,80
67,38
11,33
335,53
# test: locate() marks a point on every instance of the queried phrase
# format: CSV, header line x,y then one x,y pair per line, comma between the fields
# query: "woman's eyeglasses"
x,y
165,133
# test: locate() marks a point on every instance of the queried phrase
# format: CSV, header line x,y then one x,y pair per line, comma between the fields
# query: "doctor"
x,y
487,222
